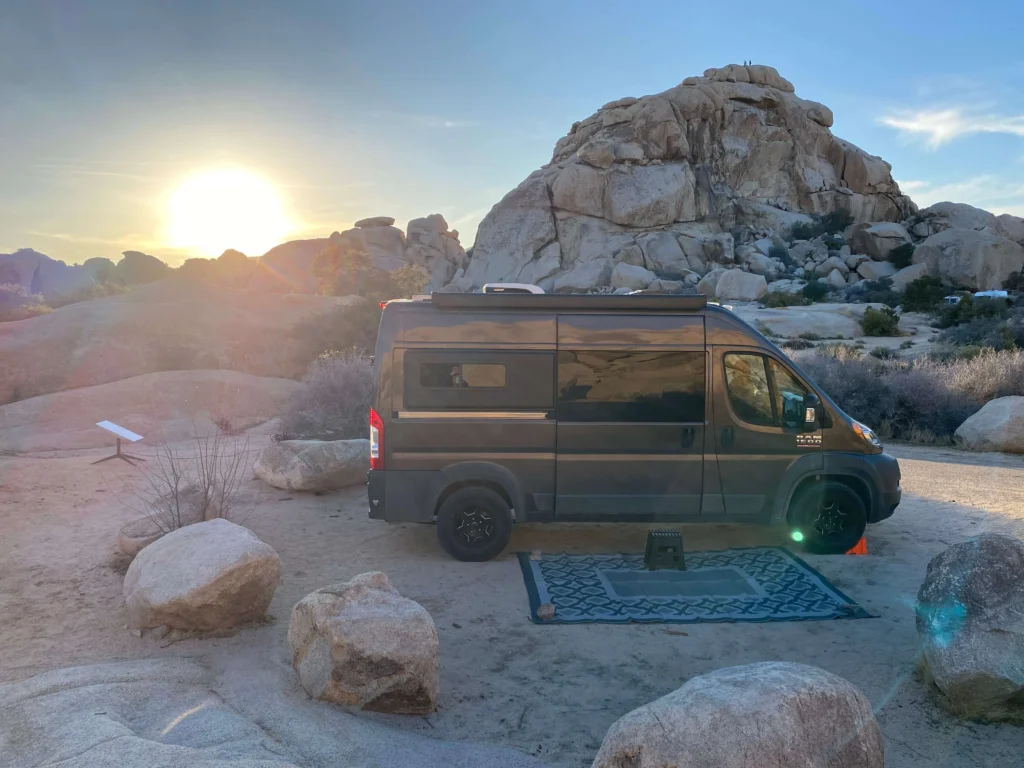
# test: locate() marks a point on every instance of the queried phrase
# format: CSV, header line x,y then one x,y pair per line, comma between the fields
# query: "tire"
x,y
474,524
831,517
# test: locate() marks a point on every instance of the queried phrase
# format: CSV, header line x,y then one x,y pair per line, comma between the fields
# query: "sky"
x,y
355,108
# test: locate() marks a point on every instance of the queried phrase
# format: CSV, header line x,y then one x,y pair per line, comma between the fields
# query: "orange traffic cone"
x,y
860,548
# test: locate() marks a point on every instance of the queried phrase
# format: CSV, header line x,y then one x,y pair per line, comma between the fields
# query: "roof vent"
x,y
511,288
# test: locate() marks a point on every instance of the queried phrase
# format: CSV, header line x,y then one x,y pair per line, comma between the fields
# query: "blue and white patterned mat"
x,y
756,584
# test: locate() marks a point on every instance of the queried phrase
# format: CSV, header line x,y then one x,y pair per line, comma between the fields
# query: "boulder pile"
x,y
728,171
361,644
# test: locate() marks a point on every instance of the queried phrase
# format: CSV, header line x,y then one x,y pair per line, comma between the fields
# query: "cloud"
x,y
942,125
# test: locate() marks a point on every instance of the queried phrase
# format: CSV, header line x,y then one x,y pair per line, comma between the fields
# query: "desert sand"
x,y
547,691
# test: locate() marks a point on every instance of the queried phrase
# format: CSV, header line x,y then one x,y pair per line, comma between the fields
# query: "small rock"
x,y
535,555
545,611
137,632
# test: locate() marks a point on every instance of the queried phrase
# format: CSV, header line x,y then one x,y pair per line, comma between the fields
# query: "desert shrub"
x,y
797,343
334,400
991,332
188,484
809,336
907,344
876,292
18,304
840,351
984,376
830,223
783,299
97,291
883,353
901,256
970,308
815,291
880,322
782,254
1014,281
925,294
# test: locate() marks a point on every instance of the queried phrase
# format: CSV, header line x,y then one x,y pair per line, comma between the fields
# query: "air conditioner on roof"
x,y
511,288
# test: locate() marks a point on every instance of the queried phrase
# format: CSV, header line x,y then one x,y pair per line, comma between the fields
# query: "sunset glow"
x,y
214,210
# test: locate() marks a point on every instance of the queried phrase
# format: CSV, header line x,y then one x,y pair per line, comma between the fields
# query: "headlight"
x,y
867,435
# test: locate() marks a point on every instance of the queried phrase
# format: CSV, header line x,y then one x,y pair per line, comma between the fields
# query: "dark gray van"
x,y
495,408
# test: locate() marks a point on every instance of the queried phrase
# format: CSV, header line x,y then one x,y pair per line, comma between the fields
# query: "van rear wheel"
x,y
831,517
474,524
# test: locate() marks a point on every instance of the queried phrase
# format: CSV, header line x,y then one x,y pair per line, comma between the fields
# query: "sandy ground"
x,y
547,691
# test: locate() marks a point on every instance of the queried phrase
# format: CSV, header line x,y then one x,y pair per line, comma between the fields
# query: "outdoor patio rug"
x,y
756,584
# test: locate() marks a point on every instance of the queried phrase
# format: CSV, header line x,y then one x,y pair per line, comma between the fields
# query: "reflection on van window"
x,y
462,375
630,386
747,381
789,395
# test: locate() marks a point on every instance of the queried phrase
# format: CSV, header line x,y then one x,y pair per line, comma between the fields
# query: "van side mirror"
x,y
812,411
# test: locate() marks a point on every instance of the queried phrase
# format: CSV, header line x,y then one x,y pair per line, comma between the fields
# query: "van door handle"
x,y
728,435
689,433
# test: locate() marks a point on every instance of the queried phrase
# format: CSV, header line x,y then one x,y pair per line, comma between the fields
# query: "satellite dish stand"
x,y
127,434
130,458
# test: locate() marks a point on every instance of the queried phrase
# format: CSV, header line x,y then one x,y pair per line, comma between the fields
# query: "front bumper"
x,y
886,470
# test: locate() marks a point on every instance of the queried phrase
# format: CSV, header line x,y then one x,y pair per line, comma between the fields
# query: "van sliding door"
x,y
631,417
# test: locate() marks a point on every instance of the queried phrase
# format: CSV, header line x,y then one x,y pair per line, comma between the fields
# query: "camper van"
x,y
507,407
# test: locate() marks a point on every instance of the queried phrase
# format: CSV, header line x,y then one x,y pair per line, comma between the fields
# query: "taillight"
x,y
376,441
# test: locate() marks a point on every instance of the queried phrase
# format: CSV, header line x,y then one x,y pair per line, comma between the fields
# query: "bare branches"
x,y
190,483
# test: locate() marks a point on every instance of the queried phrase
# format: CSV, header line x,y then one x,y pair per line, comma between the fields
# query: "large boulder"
x,y
998,426
204,576
875,270
631,276
877,239
361,644
828,321
907,275
137,268
737,285
968,258
38,274
765,714
314,465
733,148
942,216
431,245
970,617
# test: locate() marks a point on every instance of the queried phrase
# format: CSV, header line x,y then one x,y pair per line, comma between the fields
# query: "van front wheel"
x,y
831,517
474,524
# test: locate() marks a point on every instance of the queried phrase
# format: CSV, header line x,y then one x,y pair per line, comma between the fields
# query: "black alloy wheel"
x,y
831,516
474,524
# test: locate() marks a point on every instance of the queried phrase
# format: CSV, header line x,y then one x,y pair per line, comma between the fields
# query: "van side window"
x,y
462,375
478,380
630,386
746,378
762,391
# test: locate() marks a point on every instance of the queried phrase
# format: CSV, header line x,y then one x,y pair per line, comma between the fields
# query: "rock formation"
x,y
970,617
362,644
38,274
770,713
204,576
314,465
998,426
663,180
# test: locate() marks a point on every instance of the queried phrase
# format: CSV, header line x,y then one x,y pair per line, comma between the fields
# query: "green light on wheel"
x,y
797,536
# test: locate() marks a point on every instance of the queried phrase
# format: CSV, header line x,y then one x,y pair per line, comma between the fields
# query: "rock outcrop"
x,y
998,426
970,617
205,576
732,151
38,274
361,644
314,465
969,258
771,713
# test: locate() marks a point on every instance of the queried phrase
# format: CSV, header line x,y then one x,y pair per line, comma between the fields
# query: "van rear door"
x,y
631,417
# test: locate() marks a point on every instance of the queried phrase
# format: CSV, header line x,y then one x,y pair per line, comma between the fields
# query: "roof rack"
x,y
555,301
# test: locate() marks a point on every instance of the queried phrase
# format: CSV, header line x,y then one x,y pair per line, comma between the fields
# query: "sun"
x,y
218,209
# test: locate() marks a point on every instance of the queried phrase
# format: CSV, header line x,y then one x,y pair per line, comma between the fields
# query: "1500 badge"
x,y
809,440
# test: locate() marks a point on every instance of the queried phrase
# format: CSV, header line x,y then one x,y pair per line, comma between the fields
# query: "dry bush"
x,y
182,485
18,304
986,376
334,400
